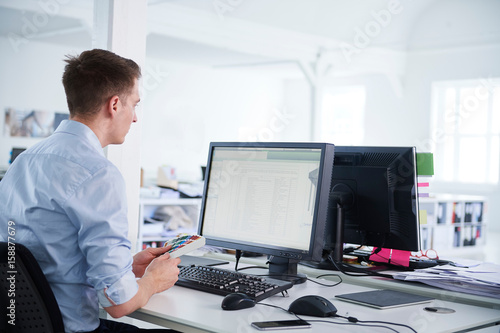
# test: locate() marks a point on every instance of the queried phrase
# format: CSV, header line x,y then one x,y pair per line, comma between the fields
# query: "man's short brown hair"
x,y
95,76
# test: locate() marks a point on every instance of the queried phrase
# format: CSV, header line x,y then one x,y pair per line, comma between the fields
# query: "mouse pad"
x,y
384,299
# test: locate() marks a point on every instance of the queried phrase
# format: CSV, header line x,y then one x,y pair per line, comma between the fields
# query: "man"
x,y
68,201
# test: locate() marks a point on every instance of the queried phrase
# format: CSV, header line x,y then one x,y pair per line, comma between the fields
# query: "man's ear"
x,y
112,105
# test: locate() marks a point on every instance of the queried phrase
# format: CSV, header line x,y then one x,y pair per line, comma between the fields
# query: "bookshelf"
x,y
153,233
453,225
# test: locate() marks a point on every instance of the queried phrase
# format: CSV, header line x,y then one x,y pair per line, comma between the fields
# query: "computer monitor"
x,y
374,199
15,152
268,198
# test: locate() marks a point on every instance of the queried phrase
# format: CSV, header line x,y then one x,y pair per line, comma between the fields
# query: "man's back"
x,y
67,202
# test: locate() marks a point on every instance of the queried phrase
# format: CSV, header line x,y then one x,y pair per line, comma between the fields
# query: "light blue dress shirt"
x,y
69,208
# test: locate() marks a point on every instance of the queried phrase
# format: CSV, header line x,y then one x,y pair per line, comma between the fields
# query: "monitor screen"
x,y
15,152
269,198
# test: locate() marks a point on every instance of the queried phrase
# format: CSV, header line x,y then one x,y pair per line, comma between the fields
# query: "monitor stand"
x,y
342,196
324,264
285,269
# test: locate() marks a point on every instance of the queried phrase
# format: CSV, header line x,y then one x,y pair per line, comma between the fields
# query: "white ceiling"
x,y
332,19
225,33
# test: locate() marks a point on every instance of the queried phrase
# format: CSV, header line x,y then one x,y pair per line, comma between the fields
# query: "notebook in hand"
x,y
384,299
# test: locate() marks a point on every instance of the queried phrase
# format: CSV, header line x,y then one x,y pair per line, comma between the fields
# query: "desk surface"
x,y
386,283
194,311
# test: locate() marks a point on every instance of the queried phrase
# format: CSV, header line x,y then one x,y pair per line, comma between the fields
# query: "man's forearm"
x,y
144,293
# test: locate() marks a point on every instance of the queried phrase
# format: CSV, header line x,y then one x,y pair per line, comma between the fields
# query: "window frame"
x,y
438,127
357,120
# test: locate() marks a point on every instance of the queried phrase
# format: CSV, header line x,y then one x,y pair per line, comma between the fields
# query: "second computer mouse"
x,y
237,301
313,305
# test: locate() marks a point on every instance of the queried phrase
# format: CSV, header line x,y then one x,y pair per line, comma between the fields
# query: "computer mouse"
x,y
237,301
313,305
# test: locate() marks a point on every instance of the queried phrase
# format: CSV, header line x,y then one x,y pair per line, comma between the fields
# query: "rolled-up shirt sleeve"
x,y
119,292
98,209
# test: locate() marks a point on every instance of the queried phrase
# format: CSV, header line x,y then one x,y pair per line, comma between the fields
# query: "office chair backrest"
x,y
26,294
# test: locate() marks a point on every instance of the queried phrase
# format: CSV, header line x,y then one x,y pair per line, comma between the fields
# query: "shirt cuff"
x,y
119,292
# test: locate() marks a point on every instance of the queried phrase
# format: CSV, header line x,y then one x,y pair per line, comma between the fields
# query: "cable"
x,y
352,249
248,267
327,285
340,267
361,271
308,279
387,323
273,306
356,320
238,256
352,320
350,323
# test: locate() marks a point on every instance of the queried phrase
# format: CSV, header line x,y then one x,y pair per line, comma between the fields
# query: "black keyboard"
x,y
223,282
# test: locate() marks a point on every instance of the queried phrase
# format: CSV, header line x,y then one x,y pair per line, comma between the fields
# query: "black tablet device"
x,y
384,299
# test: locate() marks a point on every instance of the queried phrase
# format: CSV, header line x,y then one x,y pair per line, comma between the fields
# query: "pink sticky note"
x,y
401,258
390,256
381,256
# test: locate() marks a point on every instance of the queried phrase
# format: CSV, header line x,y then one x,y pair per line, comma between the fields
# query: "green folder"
x,y
425,164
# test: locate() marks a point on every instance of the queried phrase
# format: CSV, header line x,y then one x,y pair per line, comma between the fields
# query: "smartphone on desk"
x,y
280,324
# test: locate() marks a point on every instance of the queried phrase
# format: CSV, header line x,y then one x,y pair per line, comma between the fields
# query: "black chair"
x,y
24,288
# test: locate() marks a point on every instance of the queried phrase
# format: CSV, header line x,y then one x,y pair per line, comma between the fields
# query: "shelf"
x,y
170,201
155,238
147,207
453,224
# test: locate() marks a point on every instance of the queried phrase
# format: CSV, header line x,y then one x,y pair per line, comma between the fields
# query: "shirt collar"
x,y
79,129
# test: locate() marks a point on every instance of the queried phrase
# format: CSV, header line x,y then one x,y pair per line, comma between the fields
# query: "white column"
x,y
120,27
315,74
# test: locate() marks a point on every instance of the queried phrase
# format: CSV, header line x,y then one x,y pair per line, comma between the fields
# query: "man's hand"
x,y
162,273
144,258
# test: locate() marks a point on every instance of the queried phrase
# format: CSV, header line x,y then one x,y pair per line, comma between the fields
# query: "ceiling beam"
x,y
273,43
243,36
234,34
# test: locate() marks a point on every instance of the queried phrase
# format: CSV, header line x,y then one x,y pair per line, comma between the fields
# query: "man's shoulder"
x,y
70,150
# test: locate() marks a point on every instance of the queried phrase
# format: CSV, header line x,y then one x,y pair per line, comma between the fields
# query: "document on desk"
x,y
476,278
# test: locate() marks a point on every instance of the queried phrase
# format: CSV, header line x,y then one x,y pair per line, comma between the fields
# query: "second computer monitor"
x,y
379,188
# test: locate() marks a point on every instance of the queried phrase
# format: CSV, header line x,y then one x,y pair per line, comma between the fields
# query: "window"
x,y
342,115
466,128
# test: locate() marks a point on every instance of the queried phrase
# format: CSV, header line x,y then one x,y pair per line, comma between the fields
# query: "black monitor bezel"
x,y
321,205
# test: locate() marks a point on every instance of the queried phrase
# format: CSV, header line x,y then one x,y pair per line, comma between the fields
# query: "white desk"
x,y
194,311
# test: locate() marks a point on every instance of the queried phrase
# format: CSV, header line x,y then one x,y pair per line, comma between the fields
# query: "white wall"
x,y
427,67
398,120
30,79
424,68
385,112
188,106
470,50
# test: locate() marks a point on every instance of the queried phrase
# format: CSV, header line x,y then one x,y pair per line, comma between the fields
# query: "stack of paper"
x,y
470,277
